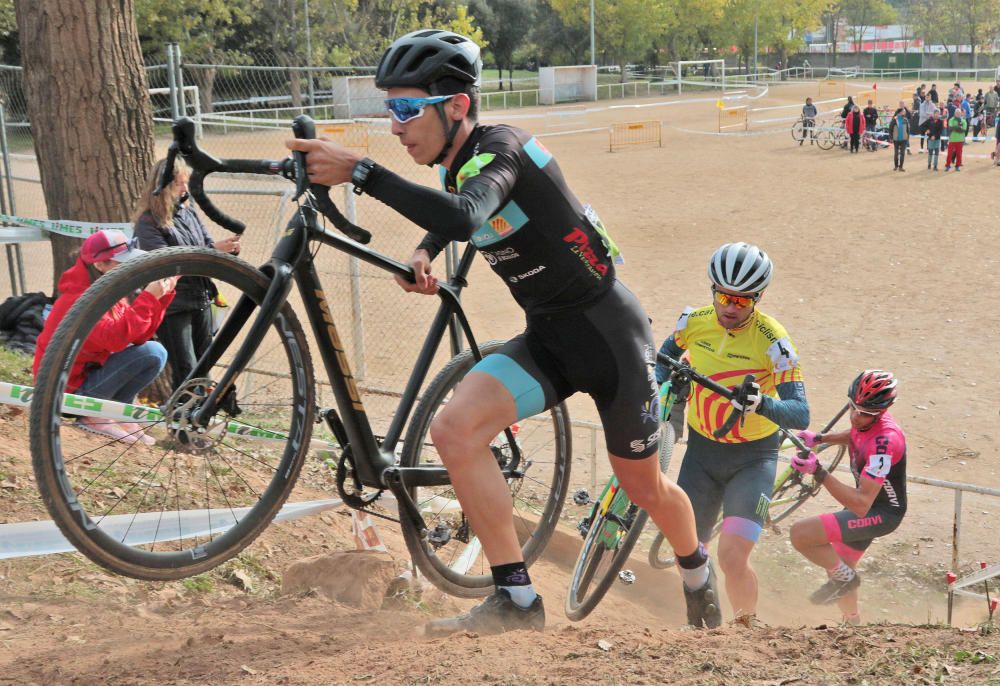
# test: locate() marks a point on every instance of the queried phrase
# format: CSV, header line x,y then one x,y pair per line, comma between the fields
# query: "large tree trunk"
x,y
88,102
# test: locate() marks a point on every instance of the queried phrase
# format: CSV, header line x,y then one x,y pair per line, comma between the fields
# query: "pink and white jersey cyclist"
x,y
876,504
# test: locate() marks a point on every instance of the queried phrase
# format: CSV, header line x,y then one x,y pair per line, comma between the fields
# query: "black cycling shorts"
x,y
605,350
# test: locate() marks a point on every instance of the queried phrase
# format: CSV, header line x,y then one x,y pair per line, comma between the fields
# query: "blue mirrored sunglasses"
x,y
405,109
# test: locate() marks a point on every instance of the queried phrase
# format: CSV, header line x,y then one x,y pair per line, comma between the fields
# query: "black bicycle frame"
x,y
293,261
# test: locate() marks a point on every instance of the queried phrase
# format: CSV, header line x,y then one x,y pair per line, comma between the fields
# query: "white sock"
x,y
841,572
523,596
695,578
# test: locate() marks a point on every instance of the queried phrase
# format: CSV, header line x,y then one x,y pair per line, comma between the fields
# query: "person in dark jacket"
x,y
119,358
168,220
855,127
848,107
933,129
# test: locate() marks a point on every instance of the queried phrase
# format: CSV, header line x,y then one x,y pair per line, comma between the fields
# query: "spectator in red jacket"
x,y
854,123
118,359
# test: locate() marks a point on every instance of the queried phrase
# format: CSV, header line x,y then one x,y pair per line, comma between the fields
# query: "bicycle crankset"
x,y
353,494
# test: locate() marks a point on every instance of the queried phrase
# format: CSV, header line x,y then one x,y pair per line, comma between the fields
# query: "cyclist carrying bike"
x,y
728,340
873,508
586,331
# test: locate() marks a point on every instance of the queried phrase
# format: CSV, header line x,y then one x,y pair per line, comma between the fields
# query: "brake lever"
x,y
303,127
167,173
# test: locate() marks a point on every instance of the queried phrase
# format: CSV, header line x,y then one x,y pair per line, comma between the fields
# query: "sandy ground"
x,y
873,268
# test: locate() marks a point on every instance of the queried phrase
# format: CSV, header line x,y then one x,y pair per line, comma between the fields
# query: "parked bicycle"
x,y
232,438
614,524
831,134
804,128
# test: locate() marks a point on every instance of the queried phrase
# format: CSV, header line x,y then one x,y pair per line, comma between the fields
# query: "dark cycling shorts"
x,y
605,350
851,535
737,478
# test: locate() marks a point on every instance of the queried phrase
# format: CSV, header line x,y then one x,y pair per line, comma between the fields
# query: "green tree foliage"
x,y
781,25
556,41
506,24
627,30
864,14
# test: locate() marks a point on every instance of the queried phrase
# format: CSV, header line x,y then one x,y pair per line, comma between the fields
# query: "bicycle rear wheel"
x,y
825,139
613,529
193,499
449,553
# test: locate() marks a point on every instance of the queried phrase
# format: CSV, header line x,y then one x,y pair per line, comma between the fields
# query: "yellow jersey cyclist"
x,y
726,341
504,192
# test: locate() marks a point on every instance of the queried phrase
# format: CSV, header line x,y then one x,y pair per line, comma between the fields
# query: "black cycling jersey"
x,y
506,193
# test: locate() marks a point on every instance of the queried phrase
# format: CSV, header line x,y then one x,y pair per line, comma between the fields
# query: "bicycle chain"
x,y
354,499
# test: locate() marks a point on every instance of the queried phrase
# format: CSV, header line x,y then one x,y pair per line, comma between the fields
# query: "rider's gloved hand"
x,y
810,438
746,399
805,465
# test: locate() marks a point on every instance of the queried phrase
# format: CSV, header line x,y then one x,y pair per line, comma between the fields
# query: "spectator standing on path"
x,y
957,129
169,220
899,134
926,109
991,103
871,116
847,108
933,130
933,94
855,126
809,113
119,358
966,112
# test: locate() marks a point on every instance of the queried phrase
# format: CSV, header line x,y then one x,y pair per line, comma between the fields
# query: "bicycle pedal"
x,y
581,497
439,536
627,577
583,526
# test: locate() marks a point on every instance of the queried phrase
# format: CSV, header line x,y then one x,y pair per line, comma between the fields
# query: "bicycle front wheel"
x,y
798,131
448,552
792,489
160,498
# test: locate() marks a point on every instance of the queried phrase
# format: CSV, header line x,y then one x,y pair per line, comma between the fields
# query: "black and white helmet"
x,y
421,58
740,268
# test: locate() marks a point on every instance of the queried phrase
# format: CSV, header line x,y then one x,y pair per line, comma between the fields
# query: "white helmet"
x,y
740,268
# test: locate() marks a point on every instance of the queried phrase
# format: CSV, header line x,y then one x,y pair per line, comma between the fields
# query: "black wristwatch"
x,y
359,176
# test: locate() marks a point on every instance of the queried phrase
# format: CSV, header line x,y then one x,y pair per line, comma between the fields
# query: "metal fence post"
x,y
172,82
956,532
15,262
357,314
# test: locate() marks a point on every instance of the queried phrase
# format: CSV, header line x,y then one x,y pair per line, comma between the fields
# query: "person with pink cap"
x,y
118,359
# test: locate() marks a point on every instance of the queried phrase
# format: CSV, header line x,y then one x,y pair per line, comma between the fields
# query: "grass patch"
x,y
202,583
15,367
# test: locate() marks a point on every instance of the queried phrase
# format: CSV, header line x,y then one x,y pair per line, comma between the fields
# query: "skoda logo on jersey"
x,y
528,274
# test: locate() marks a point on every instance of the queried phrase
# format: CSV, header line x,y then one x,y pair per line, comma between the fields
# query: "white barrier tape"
x,y
26,539
81,405
65,227
784,107
768,132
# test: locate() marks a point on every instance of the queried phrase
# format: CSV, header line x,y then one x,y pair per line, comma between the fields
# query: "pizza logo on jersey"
x,y
581,247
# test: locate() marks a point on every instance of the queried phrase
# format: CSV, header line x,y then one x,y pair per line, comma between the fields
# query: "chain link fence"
x,y
245,111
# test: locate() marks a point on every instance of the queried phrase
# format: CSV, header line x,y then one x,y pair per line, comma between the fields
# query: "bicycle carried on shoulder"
x,y
614,524
232,438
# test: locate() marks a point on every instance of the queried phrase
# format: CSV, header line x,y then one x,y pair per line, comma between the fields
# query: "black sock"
x,y
695,559
513,574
